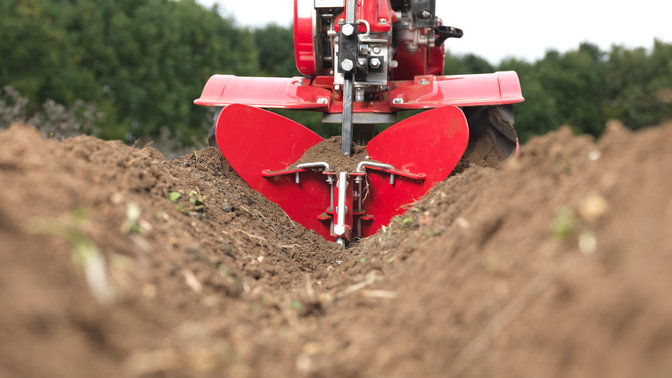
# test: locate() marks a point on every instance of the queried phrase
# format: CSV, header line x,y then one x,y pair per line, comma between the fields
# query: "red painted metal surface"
x,y
459,90
304,50
431,142
257,142
253,140
264,92
301,93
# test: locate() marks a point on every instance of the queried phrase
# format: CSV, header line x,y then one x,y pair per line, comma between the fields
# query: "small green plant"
x,y
196,201
564,223
296,305
131,225
174,196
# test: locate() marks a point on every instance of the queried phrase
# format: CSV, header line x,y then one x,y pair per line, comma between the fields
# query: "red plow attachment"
x,y
404,162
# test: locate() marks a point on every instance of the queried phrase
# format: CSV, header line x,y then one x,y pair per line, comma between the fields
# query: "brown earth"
x,y
555,265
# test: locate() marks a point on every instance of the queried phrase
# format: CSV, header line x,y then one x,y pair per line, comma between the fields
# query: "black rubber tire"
x,y
492,137
212,141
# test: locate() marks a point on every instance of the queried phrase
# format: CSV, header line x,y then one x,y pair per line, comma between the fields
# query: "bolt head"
x,y
374,62
347,65
347,29
426,13
376,50
398,100
322,101
382,21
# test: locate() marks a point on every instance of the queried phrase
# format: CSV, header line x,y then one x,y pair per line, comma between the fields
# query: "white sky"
x,y
514,28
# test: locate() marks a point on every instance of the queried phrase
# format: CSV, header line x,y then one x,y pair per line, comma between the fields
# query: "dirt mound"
x,y
553,265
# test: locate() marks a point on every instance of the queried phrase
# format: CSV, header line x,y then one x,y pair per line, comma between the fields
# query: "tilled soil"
x,y
555,264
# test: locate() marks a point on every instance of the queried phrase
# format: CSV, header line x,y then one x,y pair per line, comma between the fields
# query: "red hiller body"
x,y
363,61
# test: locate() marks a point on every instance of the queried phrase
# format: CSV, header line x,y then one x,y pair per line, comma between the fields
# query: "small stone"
x,y
117,198
593,207
227,208
463,223
425,220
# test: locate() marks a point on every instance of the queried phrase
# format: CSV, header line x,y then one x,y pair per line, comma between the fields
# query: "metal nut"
x,y
347,65
376,50
322,100
375,63
398,100
426,13
347,29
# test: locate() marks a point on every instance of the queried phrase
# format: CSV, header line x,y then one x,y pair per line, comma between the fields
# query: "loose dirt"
x,y
329,150
554,264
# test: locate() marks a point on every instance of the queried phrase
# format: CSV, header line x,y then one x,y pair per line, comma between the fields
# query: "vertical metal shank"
x,y
348,87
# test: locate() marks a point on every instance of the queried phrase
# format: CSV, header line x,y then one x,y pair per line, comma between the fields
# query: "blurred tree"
x,y
142,62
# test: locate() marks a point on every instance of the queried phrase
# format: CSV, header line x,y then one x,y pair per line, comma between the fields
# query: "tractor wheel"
x,y
212,141
492,137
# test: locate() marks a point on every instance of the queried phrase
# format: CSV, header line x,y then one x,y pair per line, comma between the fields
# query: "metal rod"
x,y
346,128
348,89
350,11
342,184
316,164
363,164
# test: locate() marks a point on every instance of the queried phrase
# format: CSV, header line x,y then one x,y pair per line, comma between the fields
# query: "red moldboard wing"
x,y
253,140
431,142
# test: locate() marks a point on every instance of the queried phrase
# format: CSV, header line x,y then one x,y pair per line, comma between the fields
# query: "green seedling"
x,y
131,225
564,223
84,252
196,201
174,196
296,305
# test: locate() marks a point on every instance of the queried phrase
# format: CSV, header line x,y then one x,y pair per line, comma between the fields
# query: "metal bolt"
x,y
322,100
375,63
347,30
347,65
359,94
426,13
394,64
376,50
398,100
382,21
423,82
300,83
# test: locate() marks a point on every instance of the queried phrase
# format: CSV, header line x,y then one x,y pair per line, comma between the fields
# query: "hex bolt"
x,y
347,29
426,13
347,65
376,50
322,100
398,100
382,21
375,63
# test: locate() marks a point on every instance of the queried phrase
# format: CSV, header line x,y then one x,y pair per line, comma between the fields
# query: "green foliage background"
x,y
142,62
